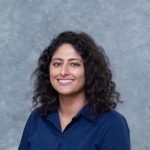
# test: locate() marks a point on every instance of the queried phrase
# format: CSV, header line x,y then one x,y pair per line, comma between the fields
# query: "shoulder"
x,y
32,121
113,131
112,119
111,115
34,116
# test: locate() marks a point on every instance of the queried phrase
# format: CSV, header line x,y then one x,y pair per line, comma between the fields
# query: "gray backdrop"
x,y
122,27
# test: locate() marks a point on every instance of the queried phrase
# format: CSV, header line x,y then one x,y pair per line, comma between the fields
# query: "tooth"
x,y
65,81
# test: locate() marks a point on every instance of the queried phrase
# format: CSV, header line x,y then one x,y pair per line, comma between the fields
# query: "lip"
x,y
65,82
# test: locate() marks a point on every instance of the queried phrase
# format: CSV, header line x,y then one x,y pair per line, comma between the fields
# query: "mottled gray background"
x,y
122,27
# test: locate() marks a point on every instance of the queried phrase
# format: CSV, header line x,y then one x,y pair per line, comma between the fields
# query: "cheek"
x,y
52,70
80,74
52,78
51,73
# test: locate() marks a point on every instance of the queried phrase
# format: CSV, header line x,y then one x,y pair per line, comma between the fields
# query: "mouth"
x,y
65,81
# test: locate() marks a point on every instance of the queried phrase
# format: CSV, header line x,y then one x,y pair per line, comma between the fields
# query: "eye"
x,y
75,64
57,64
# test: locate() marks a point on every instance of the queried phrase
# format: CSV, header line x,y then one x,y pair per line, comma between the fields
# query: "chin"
x,y
66,93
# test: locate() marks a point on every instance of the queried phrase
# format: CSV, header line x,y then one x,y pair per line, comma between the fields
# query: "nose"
x,y
64,70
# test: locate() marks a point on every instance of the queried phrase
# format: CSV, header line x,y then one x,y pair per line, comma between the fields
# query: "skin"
x,y
68,79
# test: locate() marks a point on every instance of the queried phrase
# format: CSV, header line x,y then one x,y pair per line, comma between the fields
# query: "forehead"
x,y
66,51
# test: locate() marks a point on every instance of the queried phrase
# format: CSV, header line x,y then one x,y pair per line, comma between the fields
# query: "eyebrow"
x,y
71,59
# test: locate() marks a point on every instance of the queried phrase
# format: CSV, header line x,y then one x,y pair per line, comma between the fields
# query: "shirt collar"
x,y
85,112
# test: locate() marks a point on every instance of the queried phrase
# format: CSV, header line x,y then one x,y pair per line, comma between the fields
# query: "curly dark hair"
x,y
100,90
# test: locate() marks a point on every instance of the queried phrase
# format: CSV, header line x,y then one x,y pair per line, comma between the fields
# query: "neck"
x,y
71,105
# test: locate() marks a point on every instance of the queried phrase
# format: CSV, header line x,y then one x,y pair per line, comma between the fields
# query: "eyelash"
x,y
57,64
75,64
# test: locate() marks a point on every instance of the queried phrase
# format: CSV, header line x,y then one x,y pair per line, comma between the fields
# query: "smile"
x,y
65,82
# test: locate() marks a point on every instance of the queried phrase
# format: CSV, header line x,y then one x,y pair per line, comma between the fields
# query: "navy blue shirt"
x,y
107,131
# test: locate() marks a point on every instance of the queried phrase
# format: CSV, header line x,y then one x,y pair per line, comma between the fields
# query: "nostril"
x,y
64,71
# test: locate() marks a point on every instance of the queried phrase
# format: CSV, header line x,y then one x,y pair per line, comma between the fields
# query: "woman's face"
x,y
67,71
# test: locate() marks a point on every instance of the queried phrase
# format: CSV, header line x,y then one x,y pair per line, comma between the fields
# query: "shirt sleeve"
x,y
115,135
24,143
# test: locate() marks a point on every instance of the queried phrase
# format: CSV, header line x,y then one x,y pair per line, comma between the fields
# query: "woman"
x,y
74,99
